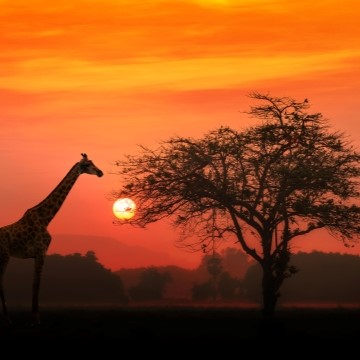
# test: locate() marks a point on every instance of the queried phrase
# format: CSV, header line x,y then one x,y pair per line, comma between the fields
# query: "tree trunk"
x,y
269,327
270,292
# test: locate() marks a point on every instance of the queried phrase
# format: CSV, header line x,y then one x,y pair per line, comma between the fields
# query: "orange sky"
x,y
103,76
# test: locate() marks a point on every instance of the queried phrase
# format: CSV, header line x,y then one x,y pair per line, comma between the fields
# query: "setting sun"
x,y
124,209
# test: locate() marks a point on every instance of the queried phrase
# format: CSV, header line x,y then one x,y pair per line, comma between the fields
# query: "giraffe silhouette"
x,y
29,238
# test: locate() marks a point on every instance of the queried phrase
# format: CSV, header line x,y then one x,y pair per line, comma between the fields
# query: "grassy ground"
x,y
203,328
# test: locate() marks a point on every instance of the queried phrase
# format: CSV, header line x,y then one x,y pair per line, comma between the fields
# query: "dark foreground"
x,y
202,328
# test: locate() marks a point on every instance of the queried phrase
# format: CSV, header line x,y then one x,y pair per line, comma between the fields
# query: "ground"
x,y
205,329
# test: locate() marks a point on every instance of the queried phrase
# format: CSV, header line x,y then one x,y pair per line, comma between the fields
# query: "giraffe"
x,y
29,238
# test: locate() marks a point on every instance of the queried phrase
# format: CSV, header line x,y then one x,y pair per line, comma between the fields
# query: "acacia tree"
x,y
282,178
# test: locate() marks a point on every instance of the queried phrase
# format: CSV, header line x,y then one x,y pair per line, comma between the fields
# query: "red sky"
x,y
103,76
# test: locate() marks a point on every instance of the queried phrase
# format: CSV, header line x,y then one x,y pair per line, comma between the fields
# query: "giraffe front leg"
x,y
38,266
3,264
4,307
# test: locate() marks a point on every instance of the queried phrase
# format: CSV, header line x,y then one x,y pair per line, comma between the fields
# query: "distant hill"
x,y
112,253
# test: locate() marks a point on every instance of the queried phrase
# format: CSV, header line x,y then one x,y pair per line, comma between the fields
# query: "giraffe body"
x,y
29,238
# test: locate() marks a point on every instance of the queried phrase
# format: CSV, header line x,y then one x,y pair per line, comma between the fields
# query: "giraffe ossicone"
x,y
29,238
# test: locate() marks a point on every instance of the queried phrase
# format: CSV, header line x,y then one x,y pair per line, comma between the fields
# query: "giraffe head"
x,y
86,166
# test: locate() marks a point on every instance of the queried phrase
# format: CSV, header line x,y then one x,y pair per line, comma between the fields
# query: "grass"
x,y
203,328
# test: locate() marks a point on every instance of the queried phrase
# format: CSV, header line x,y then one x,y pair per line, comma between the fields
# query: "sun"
x,y
124,208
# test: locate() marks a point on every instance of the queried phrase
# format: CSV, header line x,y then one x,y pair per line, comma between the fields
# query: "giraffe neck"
x,y
48,208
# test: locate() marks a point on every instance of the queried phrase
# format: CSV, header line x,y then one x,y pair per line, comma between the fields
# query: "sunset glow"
x,y
103,77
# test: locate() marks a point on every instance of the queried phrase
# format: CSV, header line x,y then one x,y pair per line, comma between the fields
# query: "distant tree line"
x,y
320,278
70,279
81,279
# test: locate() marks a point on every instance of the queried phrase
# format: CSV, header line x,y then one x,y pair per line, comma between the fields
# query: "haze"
x,y
102,77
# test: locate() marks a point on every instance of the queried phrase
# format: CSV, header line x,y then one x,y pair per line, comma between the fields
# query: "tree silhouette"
x,y
152,285
235,261
203,291
283,178
221,283
214,268
228,286
210,287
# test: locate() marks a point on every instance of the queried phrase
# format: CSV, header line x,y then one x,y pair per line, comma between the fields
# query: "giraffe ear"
x,y
84,156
